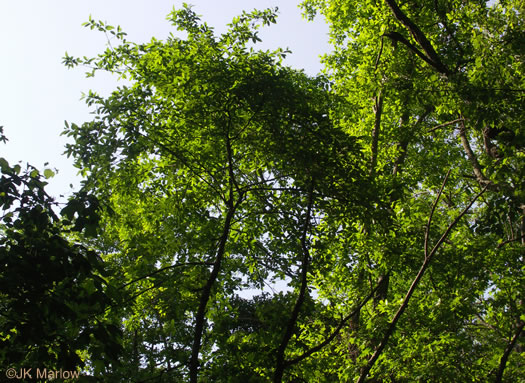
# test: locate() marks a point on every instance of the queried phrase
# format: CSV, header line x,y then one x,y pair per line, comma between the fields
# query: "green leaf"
x,y
48,173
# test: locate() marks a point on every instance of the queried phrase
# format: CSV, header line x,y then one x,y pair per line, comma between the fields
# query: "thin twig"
x,y
445,124
501,244
164,269
427,228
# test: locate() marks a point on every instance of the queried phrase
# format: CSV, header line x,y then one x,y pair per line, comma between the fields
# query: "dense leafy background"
x,y
375,210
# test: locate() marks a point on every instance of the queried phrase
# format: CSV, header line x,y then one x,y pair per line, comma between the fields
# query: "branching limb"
x,y
432,210
397,37
229,152
334,333
501,244
431,57
189,165
506,353
445,124
200,317
472,157
280,364
415,282
164,269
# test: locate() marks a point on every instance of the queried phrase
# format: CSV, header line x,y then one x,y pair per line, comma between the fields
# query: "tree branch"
x,y
397,37
432,57
378,111
334,333
445,124
182,159
280,364
501,244
472,157
206,291
164,269
379,55
415,282
506,353
432,210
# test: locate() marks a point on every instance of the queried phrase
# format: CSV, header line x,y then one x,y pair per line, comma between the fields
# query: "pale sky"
x,y
38,93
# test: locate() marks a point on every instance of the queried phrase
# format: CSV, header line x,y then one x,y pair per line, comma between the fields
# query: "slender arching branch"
x,y
182,159
157,271
478,171
431,215
503,243
229,152
337,330
378,111
417,279
445,124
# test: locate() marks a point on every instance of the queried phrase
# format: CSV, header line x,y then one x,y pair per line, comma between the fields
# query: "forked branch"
x,y
430,54
336,331
417,279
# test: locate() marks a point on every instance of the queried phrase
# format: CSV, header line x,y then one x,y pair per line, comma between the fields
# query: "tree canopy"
x,y
241,221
